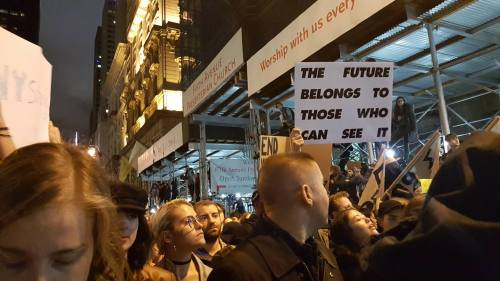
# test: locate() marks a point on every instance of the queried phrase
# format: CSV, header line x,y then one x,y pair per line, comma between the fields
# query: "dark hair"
x,y
139,252
341,233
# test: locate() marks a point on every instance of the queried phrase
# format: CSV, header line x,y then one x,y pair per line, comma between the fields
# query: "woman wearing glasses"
x,y
178,233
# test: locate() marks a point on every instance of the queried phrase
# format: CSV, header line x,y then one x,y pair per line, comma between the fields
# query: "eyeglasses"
x,y
204,218
190,221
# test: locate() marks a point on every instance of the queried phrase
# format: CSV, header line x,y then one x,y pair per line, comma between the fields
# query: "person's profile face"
x,y
52,244
187,231
321,195
362,227
129,224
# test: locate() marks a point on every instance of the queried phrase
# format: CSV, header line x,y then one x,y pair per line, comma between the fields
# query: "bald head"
x,y
282,176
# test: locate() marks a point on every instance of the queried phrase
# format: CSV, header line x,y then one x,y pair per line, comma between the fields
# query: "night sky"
x,y
67,31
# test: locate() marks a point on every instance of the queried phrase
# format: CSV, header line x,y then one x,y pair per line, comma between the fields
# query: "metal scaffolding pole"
x,y
203,163
436,75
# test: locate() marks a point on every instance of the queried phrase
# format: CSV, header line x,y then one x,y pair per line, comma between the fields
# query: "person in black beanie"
x,y
136,237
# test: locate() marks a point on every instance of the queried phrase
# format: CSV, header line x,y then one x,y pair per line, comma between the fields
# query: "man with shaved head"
x,y
283,246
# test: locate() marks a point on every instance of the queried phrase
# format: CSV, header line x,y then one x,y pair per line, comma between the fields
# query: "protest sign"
x,y
343,102
322,154
271,145
232,176
25,78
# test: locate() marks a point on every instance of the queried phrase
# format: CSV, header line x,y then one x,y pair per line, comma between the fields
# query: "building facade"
x,y
21,18
141,97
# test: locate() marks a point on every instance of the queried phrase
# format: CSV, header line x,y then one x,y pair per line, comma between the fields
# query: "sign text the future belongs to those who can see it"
x,y
343,102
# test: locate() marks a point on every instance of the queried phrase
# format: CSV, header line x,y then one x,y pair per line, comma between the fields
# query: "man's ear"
x,y
306,194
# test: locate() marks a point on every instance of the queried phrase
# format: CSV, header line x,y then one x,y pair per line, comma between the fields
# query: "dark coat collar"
x,y
276,248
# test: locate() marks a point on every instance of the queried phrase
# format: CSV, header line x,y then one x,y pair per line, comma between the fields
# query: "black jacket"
x,y
272,255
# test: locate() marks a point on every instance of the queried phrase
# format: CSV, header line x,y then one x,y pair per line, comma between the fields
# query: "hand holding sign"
x,y
296,140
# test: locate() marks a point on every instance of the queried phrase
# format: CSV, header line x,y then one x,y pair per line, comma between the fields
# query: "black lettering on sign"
x,y
382,132
328,93
315,134
313,114
269,146
372,112
315,72
380,92
352,133
370,72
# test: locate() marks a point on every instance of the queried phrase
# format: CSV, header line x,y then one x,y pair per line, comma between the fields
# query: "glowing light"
x,y
141,121
140,14
92,151
238,195
173,100
390,153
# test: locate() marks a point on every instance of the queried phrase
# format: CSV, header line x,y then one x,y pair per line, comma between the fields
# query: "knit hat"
x,y
129,197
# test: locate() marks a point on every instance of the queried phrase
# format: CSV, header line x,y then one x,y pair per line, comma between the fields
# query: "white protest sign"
x,y
337,102
323,22
222,68
271,145
229,176
25,78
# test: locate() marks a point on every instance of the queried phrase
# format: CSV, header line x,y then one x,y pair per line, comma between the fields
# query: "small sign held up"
x,y
343,102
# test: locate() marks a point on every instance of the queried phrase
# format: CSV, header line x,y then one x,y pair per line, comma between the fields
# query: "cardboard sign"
x,y
229,176
338,102
322,153
321,23
25,78
271,145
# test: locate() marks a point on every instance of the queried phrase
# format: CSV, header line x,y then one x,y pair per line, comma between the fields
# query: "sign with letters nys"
x,y
337,102
25,77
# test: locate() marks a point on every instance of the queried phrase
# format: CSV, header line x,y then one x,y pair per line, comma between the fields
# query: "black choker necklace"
x,y
181,262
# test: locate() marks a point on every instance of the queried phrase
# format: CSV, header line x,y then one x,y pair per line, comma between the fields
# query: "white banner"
x,y
162,148
323,22
229,176
344,102
222,68
25,78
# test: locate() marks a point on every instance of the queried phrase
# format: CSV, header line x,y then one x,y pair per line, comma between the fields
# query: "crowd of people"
x,y
62,218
